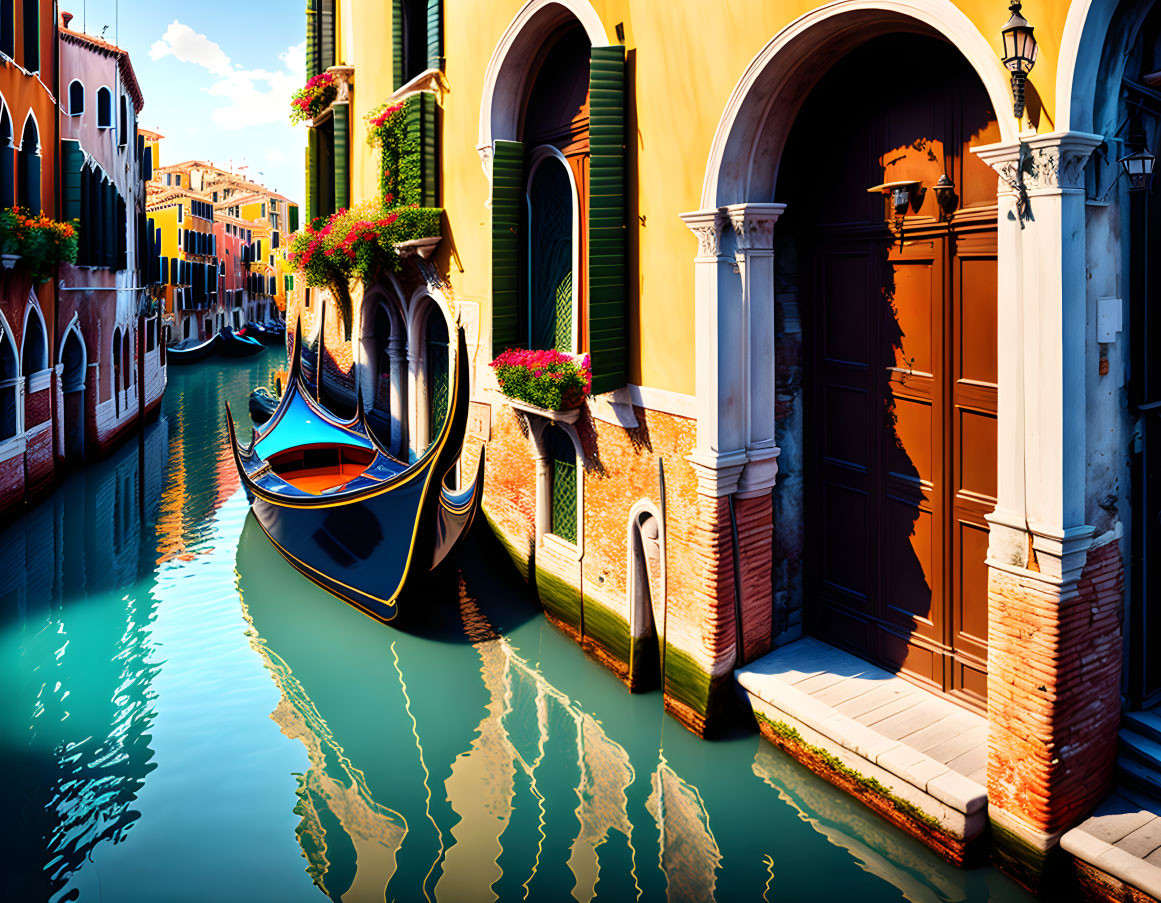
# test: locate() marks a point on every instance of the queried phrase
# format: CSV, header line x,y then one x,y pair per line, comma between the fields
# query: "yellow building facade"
x,y
840,295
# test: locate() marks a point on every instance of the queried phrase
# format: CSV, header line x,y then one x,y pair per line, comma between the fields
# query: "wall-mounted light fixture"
x,y
1019,54
945,197
1138,166
900,194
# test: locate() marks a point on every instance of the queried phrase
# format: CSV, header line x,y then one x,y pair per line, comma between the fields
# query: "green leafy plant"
x,y
547,379
39,241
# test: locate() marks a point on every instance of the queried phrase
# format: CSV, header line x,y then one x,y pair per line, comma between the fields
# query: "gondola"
x,y
235,344
191,350
340,508
263,404
266,333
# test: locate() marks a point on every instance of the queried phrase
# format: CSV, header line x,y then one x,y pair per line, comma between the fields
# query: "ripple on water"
x,y
186,718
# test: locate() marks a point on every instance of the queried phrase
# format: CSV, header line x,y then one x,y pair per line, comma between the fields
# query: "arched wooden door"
x,y
900,365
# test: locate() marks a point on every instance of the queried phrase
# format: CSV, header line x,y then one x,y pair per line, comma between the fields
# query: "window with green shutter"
x,y
607,263
507,207
72,177
562,455
341,115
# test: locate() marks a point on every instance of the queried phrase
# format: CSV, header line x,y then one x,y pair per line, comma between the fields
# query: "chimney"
x,y
65,18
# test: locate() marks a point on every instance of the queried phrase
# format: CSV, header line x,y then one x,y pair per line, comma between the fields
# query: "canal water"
x,y
184,717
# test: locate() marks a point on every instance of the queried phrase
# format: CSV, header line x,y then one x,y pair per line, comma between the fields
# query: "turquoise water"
x,y
183,717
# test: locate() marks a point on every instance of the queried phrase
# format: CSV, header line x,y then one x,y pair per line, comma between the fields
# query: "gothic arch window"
x,y
34,348
76,97
553,223
104,108
28,167
564,507
7,161
9,387
438,373
116,356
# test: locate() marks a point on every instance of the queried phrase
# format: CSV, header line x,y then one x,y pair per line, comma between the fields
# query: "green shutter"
x,y
434,34
341,112
312,34
292,213
397,43
421,112
312,193
72,162
507,201
327,34
608,267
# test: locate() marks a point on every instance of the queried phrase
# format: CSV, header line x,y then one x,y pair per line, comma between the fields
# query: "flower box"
x,y
308,102
543,380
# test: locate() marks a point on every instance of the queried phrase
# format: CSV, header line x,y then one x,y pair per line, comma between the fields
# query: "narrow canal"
x,y
183,717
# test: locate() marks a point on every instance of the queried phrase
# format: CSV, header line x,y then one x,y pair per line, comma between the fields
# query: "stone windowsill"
x,y
569,415
424,247
13,447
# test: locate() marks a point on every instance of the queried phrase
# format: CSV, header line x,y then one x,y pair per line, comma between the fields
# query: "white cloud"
x,y
190,47
252,96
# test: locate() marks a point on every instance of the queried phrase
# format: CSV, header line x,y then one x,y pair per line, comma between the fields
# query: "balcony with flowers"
x,y
549,384
35,243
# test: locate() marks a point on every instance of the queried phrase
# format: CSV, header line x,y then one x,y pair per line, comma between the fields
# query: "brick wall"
x,y
1054,670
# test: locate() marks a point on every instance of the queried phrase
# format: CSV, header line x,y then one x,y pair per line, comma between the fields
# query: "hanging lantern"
x,y
1138,166
1019,54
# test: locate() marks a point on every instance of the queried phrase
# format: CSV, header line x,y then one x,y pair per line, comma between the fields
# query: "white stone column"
x,y
396,352
420,410
753,226
1041,304
720,347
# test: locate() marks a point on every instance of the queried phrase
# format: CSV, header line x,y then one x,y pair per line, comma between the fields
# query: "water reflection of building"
x,y
506,784
77,664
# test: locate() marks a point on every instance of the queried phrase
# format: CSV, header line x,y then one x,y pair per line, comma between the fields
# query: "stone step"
x,y
1120,839
1147,724
1143,749
1139,775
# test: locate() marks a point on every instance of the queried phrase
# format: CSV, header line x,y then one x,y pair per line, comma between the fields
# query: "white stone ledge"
x,y
919,770
1111,860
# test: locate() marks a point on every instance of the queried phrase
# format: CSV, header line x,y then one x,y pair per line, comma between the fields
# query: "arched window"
x,y
438,384
551,213
34,349
28,168
76,97
9,384
562,459
32,35
8,28
123,125
7,167
104,108
116,369
127,358
73,359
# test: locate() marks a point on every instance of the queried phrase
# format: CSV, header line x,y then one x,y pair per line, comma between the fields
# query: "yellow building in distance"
x,y
840,270
206,289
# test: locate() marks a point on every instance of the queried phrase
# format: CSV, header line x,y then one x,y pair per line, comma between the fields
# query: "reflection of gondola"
x,y
191,350
236,344
263,404
347,514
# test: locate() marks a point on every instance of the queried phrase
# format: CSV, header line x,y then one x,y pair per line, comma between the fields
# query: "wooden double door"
x,y
901,446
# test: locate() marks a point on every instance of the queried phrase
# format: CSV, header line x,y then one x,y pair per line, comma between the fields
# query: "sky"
x,y
217,76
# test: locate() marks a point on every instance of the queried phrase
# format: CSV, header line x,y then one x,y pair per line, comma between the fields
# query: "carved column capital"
x,y
707,225
753,225
1050,162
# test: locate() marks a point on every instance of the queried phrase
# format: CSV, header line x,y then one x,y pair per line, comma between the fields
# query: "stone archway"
x,y
74,370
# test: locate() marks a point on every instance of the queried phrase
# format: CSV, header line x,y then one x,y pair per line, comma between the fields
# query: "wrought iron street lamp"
x,y
1138,166
1019,54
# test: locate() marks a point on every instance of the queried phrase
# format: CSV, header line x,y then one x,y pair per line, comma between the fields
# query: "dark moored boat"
x,y
341,508
191,350
235,344
263,404
266,333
